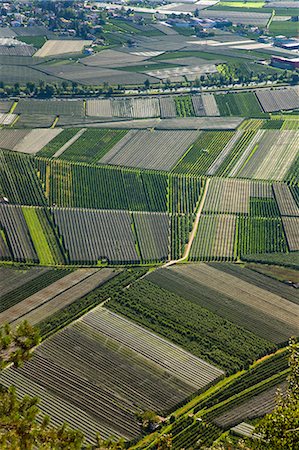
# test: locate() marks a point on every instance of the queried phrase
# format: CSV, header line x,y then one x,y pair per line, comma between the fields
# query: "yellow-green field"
x,y
242,4
38,236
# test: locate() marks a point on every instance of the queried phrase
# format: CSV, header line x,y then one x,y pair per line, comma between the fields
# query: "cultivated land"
x,y
136,207
54,47
126,374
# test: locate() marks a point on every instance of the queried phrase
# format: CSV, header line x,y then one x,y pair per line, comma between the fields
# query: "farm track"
x,y
194,229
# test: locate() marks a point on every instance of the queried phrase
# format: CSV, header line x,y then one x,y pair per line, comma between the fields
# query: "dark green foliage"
x,y
263,207
196,329
203,152
273,124
260,235
184,194
181,226
18,180
92,145
85,186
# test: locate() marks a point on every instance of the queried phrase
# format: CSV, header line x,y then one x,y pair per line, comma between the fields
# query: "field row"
x,y
110,376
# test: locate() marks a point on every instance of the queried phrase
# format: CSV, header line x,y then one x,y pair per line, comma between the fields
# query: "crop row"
x,y
203,152
234,297
203,333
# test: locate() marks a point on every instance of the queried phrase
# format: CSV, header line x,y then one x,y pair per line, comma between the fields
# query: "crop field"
x,y
244,299
7,119
225,153
285,200
171,316
203,152
210,105
184,194
16,233
215,238
91,145
66,298
278,99
167,107
91,236
10,138
26,282
271,157
198,106
260,235
246,18
184,106
54,47
145,107
57,142
152,231
291,228
34,121
45,295
181,226
127,375
43,236
36,139
18,181
257,406
13,277
246,148
186,283
232,196
99,108
151,149
243,104
130,190
50,107
5,106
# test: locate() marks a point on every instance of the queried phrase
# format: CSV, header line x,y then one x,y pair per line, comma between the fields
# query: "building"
x,y
285,63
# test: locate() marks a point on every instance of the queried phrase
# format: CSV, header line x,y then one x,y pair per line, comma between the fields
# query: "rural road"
x,y
194,229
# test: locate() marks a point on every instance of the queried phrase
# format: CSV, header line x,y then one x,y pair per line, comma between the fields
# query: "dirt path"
x,y
194,229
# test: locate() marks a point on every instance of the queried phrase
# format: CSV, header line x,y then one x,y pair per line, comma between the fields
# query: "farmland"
x,y
119,365
188,325
192,283
203,152
244,104
280,99
54,47
151,149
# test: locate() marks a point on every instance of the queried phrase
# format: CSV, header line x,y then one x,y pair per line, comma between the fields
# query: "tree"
x,y
279,430
148,420
20,428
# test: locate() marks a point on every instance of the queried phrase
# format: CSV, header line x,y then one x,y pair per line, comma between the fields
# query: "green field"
x,y
288,28
42,236
92,145
243,104
55,144
36,41
184,106
196,329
